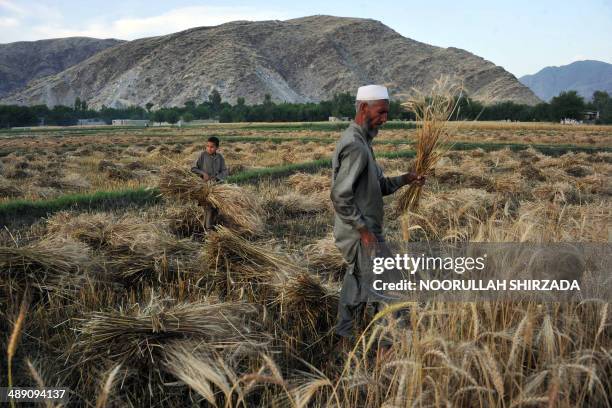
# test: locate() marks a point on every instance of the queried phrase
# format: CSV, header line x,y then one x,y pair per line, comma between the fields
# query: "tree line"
x,y
566,105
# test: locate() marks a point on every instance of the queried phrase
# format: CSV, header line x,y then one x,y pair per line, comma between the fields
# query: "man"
x,y
210,165
358,187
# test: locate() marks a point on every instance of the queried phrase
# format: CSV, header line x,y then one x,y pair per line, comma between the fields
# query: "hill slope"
x,y
305,59
585,77
21,62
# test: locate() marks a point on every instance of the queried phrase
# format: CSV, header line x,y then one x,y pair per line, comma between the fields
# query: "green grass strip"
x,y
27,211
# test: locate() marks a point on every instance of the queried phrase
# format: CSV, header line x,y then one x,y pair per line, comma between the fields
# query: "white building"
x,y
91,122
130,122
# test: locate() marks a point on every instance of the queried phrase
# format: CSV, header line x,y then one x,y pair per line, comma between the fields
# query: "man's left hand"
x,y
414,178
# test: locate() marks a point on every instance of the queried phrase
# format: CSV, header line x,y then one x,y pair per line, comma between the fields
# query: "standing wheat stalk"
x,y
14,339
432,111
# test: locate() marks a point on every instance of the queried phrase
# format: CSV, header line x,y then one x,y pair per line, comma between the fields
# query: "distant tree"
x,y
77,104
602,102
158,116
172,116
202,111
148,106
215,100
239,111
187,117
343,105
541,112
13,115
567,105
226,115
190,106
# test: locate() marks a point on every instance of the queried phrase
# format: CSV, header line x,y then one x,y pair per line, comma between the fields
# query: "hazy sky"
x,y
523,36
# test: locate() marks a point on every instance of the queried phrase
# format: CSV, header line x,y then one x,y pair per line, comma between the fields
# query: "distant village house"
x,y
91,122
130,122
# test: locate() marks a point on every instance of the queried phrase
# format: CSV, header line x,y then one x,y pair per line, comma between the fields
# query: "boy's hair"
x,y
215,140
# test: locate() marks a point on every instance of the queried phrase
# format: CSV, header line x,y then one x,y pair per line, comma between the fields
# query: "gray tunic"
x,y
358,187
213,165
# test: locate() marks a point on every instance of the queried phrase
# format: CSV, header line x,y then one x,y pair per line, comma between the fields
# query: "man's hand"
x,y
205,177
412,177
368,239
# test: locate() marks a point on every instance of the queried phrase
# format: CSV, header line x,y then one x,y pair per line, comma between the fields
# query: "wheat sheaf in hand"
x,y
433,111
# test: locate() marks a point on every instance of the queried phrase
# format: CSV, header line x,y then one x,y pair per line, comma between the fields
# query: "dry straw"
x,y
324,257
137,249
51,264
240,266
15,334
239,209
294,203
307,306
138,333
433,112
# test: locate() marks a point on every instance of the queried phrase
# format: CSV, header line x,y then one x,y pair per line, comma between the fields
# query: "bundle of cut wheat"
x,y
558,192
91,229
136,248
52,264
139,250
240,266
325,257
186,219
238,208
309,183
454,215
140,332
296,203
433,112
306,305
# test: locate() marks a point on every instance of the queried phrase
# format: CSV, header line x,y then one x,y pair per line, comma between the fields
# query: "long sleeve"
x,y
389,185
223,173
353,161
198,164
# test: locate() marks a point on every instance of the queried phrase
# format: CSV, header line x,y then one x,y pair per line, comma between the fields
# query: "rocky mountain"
x,y
585,77
21,62
299,60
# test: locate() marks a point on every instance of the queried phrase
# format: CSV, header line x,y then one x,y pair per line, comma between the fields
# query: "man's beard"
x,y
368,129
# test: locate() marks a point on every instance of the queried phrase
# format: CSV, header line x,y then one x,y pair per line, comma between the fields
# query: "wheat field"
x,y
140,306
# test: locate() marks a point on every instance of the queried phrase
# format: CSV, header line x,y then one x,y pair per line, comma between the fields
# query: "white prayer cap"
x,y
372,93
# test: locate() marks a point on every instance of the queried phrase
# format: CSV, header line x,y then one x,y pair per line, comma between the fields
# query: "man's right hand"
x,y
205,177
368,239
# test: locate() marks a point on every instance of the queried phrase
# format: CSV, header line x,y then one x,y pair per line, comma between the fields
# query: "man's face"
x,y
376,115
211,148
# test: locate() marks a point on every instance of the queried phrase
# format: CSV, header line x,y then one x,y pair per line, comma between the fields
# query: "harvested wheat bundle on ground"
x,y
238,208
307,306
185,219
294,203
309,183
141,330
91,229
325,257
135,249
242,268
433,112
51,264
